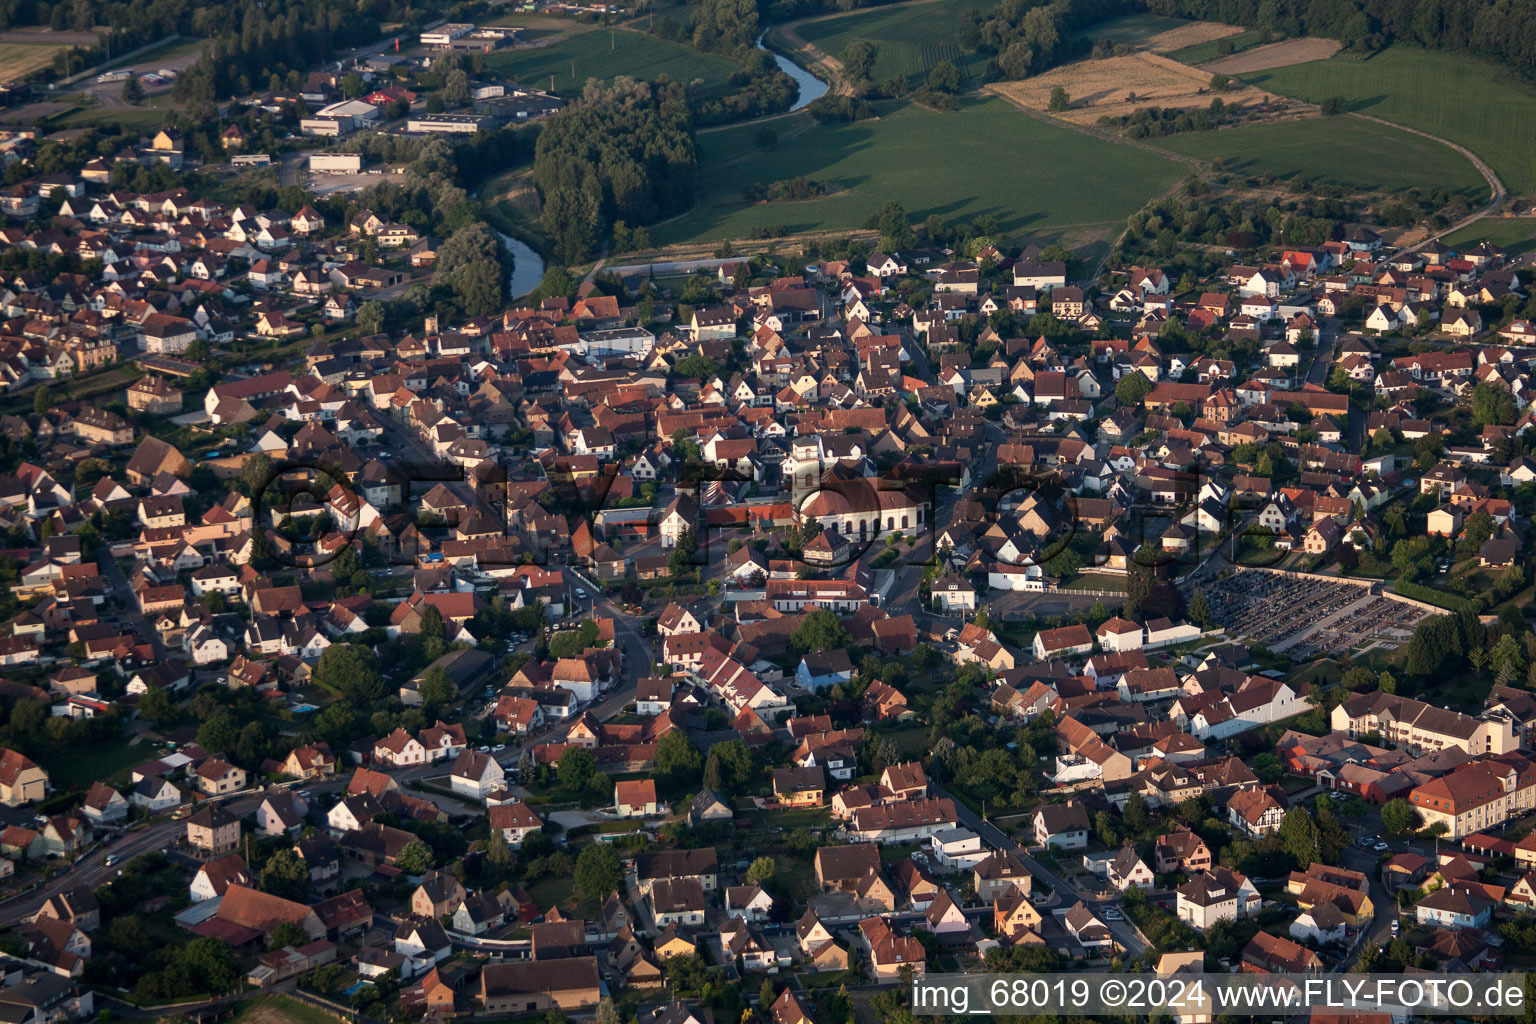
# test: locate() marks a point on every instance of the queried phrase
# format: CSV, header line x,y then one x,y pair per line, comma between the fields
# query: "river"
x,y
527,266
811,87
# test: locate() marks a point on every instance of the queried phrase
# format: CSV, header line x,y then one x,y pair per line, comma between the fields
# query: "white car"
x,y
498,748
1382,847
1111,914
581,593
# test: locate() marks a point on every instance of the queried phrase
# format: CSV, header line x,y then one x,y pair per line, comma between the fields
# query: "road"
x,y
1495,186
1125,932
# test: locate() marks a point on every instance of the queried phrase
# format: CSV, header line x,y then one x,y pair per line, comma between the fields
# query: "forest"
x,y
629,160
1501,30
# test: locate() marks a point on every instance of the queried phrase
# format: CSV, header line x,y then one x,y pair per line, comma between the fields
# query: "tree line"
x,y
1504,30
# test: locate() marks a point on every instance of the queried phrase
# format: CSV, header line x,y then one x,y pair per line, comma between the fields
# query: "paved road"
x,y
1125,932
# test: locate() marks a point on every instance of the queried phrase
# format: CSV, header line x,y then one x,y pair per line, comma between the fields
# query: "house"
x,y
636,798
104,805
215,877
213,830
1207,898
217,776
1127,870
678,901
476,775
1050,644
999,874
1062,826
1090,932
515,820
794,786
1255,812
437,895
517,987
1271,954
824,668
890,952
1454,907
1015,918
21,780
1181,851
749,902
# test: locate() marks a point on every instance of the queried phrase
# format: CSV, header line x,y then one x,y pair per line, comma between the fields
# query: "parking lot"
x,y
1307,617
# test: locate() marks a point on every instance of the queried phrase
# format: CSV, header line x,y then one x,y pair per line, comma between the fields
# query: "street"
x,y
1125,932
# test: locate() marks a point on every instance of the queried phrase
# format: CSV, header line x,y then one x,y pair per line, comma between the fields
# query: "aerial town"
x,y
411,610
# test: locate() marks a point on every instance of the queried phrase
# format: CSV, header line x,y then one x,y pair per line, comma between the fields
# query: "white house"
x,y
957,849
476,775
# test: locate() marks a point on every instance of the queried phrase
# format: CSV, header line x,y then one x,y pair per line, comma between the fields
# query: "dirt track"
x,y
1274,55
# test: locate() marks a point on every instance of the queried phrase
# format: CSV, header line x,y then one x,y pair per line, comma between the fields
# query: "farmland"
x,y
910,38
1210,49
1101,88
1345,151
1514,234
1458,98
1134,29
984,158
606,54
18,60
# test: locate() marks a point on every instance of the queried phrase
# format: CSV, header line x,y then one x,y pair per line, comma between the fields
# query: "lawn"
x,y
1459,98
910,38
605,54
19,60
984,158
77,769
275,1009
1515,234
140,119
1334,150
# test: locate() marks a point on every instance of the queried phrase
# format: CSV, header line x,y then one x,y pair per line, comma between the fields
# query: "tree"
x,y
349,669
729,766
1221,83
133,89
1131,389
945,77
607,1013
598,871
209,965
858,60
1399,817
436,688
684,553
43,400
678,761
1061,101
415,858
1299,837
287,933
158,707
370,316
456,88
575,767
821,630
285,875
255,474
1200,608
1332,106
469,261
761,870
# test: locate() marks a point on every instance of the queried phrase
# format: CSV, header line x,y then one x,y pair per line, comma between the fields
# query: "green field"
x,y
1455,97
910,38
984,158
1514,234
608,53
1202,52
1334,150
1133,28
